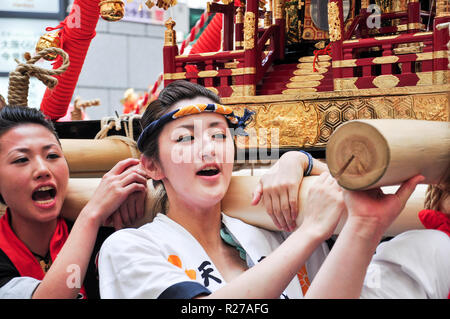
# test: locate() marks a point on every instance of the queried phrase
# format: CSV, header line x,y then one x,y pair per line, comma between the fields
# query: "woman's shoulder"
x,y
146,234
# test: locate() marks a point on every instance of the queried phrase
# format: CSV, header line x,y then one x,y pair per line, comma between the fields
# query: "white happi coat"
x,y
163,260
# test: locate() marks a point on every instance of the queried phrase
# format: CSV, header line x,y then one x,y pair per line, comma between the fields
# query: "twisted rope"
x,y
438,192
108,123
19,80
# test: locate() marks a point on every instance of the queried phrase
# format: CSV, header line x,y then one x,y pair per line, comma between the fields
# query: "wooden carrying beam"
x,y
364,154
94,158
236,203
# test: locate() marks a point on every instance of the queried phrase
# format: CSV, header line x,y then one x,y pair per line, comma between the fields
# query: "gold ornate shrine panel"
x,y
280,124
310,122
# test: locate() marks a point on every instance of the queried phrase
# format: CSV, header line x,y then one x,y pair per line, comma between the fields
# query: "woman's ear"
x,y
152,168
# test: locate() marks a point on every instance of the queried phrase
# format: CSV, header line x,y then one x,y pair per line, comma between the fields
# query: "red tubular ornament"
x,y
209,40
78,29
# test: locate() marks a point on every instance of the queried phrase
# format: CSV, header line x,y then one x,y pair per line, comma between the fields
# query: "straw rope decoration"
x,y
107,123
19,79
437,193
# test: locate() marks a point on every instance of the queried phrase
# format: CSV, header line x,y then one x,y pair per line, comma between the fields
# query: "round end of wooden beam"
x,y
357,155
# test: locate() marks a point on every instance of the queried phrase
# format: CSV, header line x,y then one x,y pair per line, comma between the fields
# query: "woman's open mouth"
x,y
44,196
209,171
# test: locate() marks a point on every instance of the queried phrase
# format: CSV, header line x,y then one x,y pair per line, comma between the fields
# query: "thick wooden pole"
x,y
236,203
93,158
365,154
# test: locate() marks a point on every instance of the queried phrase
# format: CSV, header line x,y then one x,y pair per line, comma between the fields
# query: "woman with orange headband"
x,y
192,250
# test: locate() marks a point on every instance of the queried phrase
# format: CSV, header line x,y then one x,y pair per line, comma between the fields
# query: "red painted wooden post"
x,y
363,30
336,30
170,51
413,16
427,65
280,22
348,71
239,29
209,80
441,37
386,68
251,53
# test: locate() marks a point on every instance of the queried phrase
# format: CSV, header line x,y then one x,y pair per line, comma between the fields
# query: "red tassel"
x,y
76,35
326,50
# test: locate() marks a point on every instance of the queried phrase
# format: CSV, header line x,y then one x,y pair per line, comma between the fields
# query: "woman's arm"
x,y
369,214
269,278
278,188
67,273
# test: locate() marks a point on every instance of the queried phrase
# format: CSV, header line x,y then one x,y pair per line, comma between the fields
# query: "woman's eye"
x,y
53,156
186,138
20,160
220,136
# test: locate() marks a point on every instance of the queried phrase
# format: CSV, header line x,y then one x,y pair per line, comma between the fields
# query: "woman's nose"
x,y
208,148
41,169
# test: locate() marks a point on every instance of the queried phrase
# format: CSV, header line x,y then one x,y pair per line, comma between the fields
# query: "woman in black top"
x,y
33,183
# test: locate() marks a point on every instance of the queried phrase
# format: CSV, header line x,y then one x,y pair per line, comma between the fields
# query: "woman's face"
x,y
33,173
196,155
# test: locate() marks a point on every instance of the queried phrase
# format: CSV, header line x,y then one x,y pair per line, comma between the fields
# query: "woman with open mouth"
x,y
192,250
33,184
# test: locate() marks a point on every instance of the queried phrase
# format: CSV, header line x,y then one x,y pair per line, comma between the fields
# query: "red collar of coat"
x,y
19,254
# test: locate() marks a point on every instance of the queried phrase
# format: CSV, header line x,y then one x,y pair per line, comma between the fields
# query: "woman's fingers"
x,y
269,209
123,166
277,213
293,204
281,203
257,194
133,177
407,188
134,187
285,209
124,214
117,221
